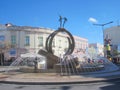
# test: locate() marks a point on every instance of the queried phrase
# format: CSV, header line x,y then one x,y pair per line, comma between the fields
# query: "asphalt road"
x,y
113,85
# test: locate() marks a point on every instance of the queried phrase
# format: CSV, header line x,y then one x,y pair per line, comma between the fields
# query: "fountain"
x,y
68,64
29,62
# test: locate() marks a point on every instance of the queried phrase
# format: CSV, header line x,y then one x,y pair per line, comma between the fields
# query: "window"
x,y
27,40
13,39
40,41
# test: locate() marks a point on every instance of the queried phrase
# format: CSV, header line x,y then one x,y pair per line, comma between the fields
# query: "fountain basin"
x,y
65,69
27,69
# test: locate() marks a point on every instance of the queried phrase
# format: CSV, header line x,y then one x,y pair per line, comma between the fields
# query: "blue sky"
x,y
81,15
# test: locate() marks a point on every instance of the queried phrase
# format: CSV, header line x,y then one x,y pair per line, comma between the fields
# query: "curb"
x,y
114,78
91,79
59,83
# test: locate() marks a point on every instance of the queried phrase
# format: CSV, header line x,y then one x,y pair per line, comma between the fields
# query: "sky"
x,y
80,14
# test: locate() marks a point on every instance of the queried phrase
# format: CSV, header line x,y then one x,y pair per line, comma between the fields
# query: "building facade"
x,y
17,40
113,33
81,45
96,49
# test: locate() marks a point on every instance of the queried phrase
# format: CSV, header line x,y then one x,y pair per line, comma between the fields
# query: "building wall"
x,y
34,33
113,33
81,45
96,49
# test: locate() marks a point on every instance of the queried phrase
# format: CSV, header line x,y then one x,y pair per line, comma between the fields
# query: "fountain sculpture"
x,y
67,64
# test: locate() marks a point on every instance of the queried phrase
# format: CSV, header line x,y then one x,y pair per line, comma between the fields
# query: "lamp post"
x,y
102,25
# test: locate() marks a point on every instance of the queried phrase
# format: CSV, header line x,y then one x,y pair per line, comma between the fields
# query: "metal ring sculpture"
x,y
70,40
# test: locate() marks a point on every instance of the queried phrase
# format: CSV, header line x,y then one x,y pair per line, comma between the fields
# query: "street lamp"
x,y
102,25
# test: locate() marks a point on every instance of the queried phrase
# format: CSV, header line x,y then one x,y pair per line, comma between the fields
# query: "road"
x,y
114,85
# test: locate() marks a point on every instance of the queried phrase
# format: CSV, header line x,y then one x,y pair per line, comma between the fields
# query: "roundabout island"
x,y
47,68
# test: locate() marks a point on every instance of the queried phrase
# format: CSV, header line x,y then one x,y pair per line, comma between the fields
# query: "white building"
x,y
81,44
16,40
113,33
96,49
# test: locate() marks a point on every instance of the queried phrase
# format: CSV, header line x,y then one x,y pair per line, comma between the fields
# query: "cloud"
x,y
92,20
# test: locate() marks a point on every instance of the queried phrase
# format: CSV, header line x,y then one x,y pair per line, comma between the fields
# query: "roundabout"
x,y
45,68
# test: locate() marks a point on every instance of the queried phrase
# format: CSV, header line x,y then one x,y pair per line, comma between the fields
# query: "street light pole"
x,y
102,25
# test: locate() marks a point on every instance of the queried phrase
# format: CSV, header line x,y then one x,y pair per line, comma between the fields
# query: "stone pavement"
x,y
53,78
